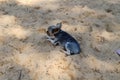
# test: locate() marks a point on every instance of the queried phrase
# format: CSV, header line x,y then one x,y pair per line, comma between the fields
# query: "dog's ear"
x,y
55,30
59,25
50,30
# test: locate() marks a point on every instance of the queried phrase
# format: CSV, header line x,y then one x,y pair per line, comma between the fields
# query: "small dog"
x,y
59,37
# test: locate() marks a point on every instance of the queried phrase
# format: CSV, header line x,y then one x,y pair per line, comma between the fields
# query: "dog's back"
x,y
68,42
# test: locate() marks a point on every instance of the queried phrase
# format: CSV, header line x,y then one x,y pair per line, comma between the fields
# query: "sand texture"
x,y
25,54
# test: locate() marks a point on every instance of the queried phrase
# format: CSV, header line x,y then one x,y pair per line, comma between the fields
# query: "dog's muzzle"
x,y
48,33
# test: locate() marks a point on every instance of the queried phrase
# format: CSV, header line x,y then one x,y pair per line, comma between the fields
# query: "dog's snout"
x,y
48,33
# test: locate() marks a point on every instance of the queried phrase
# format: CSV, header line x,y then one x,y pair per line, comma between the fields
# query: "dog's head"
x,y
52,30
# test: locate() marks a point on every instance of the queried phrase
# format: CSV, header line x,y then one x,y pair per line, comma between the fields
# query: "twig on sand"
x,y
15,48
20,74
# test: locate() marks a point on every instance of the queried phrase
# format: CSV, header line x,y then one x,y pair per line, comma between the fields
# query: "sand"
x,y
25,54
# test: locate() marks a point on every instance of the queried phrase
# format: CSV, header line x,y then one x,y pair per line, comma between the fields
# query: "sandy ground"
x,y
26,55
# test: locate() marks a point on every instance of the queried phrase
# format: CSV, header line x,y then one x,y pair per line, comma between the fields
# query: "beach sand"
x,y
25,54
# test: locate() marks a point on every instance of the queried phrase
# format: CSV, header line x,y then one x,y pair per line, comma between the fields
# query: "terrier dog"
x,y
59,37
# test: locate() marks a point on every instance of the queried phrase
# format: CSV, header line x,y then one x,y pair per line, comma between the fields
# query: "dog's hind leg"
x,y
67,53
68,48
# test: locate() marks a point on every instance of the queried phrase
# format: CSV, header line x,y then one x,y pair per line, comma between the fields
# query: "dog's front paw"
x,y
47,37
56,44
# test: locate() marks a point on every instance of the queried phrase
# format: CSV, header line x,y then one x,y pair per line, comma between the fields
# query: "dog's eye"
x,y
55,30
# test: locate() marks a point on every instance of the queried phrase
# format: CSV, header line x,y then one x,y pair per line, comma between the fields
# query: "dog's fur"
x,y
62,38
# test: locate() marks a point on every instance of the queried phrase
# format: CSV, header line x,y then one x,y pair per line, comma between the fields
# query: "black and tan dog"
x,y
57,36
